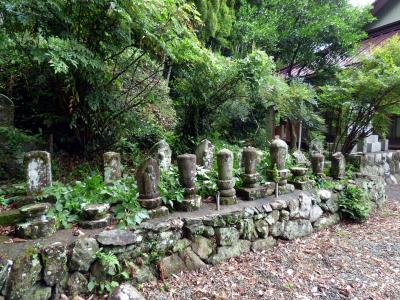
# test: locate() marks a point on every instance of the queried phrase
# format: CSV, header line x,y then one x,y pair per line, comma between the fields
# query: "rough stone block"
x,y
36,229
250,194
96,224
118,237
374,147
226,236
83,254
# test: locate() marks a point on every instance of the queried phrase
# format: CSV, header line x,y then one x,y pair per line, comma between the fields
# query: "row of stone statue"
x,y
38,169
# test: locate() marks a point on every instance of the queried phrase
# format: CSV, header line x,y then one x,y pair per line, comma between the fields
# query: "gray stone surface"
x,y
118,237
112,166
226,252
126,292
161,152
83,254
38,171
247,230
338,168
77,284
296,229
187,178
204,154
316,213
278,152
226,236
96,211
35,229
226,182
305,206
171,265
54,258
148,180
317,163
202,246
326,221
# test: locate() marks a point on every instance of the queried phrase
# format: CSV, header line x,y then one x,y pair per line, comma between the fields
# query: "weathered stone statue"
x,y
6,112
187,178
279,152
148,179
204,154
317,163
38,171
316,146
300,159
338,167
251,189
226,183
112,166
161,151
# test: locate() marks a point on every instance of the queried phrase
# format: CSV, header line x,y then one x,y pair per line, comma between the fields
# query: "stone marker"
x,y
278,152
300,159
148,180
251,190
187,178
161,151
38,171
112,166
204,154
6,112
96,216
316,146
338,168
35,222
317,163
225,182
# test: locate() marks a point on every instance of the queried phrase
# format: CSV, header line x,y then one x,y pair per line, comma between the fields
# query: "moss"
x,y
10,217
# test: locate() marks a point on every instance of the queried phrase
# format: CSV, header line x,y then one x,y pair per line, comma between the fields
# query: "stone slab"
x,y
250,194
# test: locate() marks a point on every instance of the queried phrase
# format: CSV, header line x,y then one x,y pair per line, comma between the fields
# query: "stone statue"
x,y
317,163
112,166
161,151
38,171
187,178
204,154
225,182
279,152
148,179
338,168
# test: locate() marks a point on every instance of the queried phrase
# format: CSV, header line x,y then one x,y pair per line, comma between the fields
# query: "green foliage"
x,y
113,271
72,75
292,30
71,199
171,190
363,94
207,182
354,204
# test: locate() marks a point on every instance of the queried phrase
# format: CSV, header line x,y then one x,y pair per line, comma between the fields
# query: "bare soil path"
x,y
346,261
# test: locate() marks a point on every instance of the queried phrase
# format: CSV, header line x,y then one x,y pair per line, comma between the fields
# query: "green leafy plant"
x,y
71,199
355,204
113,271
171,190
207,181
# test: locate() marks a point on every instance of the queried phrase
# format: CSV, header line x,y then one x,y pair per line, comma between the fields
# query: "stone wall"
x,y
385,164
65,263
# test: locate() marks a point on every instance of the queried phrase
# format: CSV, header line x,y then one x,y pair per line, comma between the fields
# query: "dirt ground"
x,y
346,261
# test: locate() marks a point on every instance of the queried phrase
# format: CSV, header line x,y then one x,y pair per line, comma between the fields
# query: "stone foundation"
x,y
64,263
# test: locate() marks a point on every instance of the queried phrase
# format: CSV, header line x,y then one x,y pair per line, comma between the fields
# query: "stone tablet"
x,y
112,166
38,170
204,154
148,180
278,152
161,151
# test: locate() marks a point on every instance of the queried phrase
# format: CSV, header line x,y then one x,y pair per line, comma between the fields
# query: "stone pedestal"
x,y
112,166
35,223
162,153
251,190
96,216
299,179
338,168
38,171
187,178
225,182
204,154
317,163
148,180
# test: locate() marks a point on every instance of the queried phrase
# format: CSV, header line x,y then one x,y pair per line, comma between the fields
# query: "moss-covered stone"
x,y
10,217
25,272
38,292
54,258
83,254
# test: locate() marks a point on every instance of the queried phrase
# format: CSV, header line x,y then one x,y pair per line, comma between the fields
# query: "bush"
x,y
355,204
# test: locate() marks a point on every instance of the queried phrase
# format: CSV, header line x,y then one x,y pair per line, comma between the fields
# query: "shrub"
x,y
355,204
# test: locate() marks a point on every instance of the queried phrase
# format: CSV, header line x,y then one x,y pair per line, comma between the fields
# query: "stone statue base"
x,y
150,203
254,193
228,200
158,212
190,204
35,229
286,189
303,185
